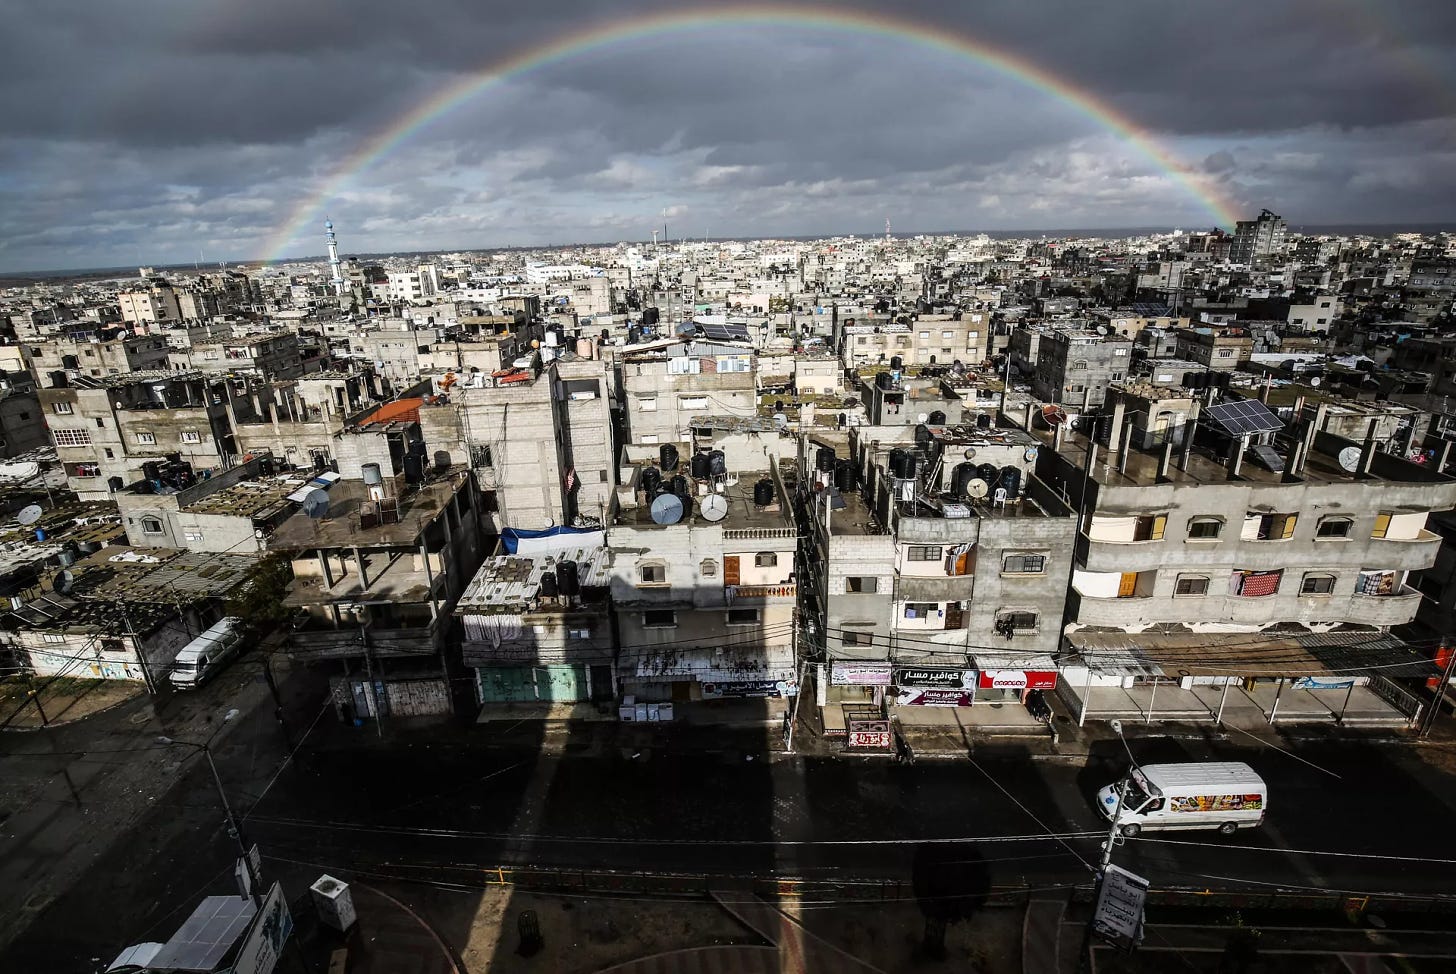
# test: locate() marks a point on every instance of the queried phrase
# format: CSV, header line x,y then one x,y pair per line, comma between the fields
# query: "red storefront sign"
x,y
870,735
1017,680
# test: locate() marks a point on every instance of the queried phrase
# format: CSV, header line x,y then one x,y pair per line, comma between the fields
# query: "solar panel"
x,y
1244,417
724,332
210,932
1268,457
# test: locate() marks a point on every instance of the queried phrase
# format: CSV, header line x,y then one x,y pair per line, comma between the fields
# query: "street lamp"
x,y
234,826
1116,828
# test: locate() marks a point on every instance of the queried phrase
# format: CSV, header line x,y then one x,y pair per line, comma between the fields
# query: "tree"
x,y
259,600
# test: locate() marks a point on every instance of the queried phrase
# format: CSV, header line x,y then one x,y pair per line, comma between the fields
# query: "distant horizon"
x,y
1334,229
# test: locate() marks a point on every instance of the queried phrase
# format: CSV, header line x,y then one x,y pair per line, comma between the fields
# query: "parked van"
x,y
206,654
1223,795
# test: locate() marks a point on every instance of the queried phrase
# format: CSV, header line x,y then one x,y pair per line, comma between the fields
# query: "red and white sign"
x,y
1017,680
870,735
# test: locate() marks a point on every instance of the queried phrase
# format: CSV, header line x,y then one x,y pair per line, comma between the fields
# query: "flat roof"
x,y
513,582
246,498
340,527
742,513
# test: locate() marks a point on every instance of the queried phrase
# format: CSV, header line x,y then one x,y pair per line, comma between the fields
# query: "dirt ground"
x,y
63,699
583,935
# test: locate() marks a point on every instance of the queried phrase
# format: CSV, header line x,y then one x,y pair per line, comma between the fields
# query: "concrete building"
x,y
375,582
664,388
537,625
937,561
704,601
270,357
60,360
234,511
1219,349
1077,367
1196,567
1258,238
155,304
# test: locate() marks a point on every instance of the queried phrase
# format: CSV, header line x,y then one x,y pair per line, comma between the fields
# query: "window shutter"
x,y
1382,525
1160,522
1289,520
730,569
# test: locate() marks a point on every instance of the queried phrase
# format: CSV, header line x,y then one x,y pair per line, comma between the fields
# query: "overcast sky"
x,y
164,131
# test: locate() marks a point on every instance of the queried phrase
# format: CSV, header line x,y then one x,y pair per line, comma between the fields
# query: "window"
x,y
1317,584
1119,352
1268,527
100,423
192,535
925,336
53,637
191,436
1255,584
947,334
653,574
151,525
856,638
145,437
1080,365
1012,622
110,453
765,559
1334,527
921,610
1204,528
708,568
1187,585
923,553
67,437
62,408
693,402
1150,527
861,583
647,405
1023,564
742,617
659,619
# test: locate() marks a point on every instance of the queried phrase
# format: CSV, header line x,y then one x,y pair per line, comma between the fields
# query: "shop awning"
x,y
1267,655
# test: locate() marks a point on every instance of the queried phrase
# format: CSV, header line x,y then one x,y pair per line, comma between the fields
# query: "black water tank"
x,y
679,486
651,477
414,469
1011,481
988,473
983,421
902,464
937,418
634,334
896,363
843,420
923,435
548,586
152,470
845,476
667,457
763,492
568,578
651,316
824,459
964,473
717,463
883,380
699,466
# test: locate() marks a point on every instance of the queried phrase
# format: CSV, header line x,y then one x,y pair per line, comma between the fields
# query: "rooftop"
x,y
248,498
735,490
512,583
340,526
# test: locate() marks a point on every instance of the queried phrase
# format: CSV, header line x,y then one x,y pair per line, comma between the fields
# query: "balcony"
x,y
1394,609
1408,554
758,594
1123,556
1128,610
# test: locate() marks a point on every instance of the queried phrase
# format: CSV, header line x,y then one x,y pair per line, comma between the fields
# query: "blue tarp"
x,y
511,538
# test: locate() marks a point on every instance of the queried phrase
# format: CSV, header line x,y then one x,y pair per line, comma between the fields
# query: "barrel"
x,y
763,492
896,363
548,586
717,463
902,464
824,459
667,457
679,486
698,466
568,578
372,474
936,418
983,421
846,477
923,434
1011,481
651,477
961,477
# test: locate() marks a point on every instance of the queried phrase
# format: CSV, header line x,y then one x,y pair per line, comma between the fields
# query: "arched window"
x,y
708,568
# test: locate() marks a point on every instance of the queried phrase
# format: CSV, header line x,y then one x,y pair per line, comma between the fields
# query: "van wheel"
x,y
1227,828
1131,829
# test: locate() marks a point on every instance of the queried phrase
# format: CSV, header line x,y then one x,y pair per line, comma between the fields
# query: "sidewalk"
x,y
62,700
387,938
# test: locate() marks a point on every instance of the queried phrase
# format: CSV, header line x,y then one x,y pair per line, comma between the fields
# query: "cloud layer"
x,y
165,130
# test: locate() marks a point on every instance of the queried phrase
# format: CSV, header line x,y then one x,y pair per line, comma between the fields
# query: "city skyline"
x,y
226,134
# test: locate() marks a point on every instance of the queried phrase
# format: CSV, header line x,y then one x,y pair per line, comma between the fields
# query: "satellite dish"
x,y
29,515
1030,454
713,507
1053,415
62,583
1314,383
316,503
922,417
970,453
976,488
1349,458
667,509
780,421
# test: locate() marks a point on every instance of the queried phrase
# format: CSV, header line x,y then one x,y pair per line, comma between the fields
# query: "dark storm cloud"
x,y
152,129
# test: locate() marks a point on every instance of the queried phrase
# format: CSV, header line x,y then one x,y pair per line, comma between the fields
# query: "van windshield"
x,y
1138,791
185,666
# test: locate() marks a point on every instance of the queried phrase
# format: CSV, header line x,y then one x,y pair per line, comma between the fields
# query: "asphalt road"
x,y
442,805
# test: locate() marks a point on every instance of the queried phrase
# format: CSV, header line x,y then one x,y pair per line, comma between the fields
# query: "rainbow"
x,y
739,15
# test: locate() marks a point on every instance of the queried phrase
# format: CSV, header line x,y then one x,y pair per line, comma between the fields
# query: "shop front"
x,y
710,673
934,687
1009,681
855,690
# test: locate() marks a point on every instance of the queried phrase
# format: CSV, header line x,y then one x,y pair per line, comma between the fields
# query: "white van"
x,y
206,654
1223,795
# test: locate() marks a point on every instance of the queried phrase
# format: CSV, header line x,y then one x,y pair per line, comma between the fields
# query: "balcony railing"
x,y
743,593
